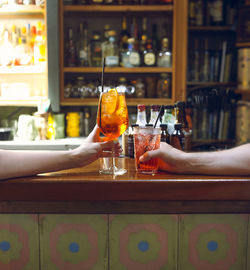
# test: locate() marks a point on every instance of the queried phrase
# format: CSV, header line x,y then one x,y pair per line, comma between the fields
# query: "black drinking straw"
x,y
103,66
160,111
102,85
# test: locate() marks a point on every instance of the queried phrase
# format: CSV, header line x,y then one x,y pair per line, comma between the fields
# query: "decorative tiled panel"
x,y
74,242
248,248
19,244
213,242
143,242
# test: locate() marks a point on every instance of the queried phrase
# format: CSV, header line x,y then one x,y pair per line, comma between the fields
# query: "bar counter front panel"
x,y
79,219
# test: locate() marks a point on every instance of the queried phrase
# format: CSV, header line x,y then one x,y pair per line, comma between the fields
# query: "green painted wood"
x,y
52,9
74,242
248,248
143,242
216,242
19,242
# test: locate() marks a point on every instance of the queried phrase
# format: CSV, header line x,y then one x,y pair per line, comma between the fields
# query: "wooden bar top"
x,y
86,184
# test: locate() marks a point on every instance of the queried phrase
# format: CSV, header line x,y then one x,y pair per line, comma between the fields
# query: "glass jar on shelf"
x,y
79,89
68,88
93,90
124,86
140,88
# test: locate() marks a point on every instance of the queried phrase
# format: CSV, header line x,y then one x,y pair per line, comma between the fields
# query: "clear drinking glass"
x,y
146,139
112,118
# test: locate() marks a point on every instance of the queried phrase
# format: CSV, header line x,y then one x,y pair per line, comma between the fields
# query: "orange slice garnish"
x,y
109,101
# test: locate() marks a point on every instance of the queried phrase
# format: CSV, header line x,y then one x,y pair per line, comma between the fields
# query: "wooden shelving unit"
x,y
129,101
117,70
209,84
25,102
29,75
211,28
22,70
21,11
178,13
119,8
243,44
241,91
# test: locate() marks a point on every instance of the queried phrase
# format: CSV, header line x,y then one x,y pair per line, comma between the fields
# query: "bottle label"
x,y
134,58
83,55
149,59
164,61
217,11
112,60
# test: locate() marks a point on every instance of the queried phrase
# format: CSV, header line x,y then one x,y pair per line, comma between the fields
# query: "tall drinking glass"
x,y
112,119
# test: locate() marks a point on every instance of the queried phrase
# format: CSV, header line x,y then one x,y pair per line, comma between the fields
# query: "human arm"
x,y
24,163
234,161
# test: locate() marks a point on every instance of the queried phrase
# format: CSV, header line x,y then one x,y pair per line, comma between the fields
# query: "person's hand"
x,y
93,148
170,158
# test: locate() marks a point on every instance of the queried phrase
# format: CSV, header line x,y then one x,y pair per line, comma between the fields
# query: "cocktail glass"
x,y
146,139
112,119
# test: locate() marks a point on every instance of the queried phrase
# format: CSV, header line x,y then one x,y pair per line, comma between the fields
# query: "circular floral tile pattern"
x,y
14,246
212,246
74,246
143,246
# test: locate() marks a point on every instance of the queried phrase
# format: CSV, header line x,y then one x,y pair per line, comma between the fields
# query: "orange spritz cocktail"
x,y
112,115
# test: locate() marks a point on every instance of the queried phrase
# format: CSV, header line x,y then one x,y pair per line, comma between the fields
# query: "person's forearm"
x,y
23,163
234,161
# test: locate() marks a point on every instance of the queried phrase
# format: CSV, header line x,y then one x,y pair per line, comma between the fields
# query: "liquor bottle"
x,y
192,11
83,50
165,137
6,50
40,47
217,12
181,118
196,63
124,35
96,49
86,122
82,2
164,58
164,86
199,14
168,118
149,58
144,35
131,56
177,137
135,33
154,112
96,2
155,40
141,115
139,88
105,35
27,2
206,63
109,2
110,51
231,10
71,58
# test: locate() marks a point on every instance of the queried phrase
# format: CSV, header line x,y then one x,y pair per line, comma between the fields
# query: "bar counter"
x,y
84,190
